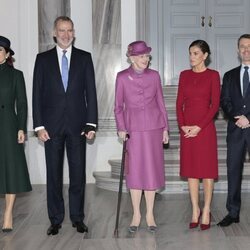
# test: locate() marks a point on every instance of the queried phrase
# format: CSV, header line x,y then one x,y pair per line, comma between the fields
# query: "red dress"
x,y
197,103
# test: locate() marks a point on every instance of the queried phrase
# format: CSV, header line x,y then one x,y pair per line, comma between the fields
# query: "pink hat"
x,y
138,48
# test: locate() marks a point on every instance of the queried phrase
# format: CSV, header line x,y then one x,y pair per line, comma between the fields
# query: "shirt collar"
x,y
60,51
133,73
243,65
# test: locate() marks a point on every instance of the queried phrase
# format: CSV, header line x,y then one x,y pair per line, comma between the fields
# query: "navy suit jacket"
x,y
56,109
234,104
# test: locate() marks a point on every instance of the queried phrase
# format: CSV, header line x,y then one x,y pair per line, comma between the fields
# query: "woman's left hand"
x,y
193,131
20,136
165,138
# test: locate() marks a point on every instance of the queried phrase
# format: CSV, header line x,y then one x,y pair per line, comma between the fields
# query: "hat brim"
x,y
2,44
142,52
11,52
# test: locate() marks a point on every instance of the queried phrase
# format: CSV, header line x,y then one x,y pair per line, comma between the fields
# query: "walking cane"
x,y
120,186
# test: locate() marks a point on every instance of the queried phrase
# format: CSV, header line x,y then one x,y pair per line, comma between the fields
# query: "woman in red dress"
x,y
197,104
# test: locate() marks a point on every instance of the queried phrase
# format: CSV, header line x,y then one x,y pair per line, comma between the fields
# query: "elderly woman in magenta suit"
x,y
140,112
14,176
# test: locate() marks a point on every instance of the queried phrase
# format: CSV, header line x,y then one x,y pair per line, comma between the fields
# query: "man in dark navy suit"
x,y
65,114
235,102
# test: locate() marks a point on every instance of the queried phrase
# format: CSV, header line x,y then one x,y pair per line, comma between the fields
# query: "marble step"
x,y
109,124
174,184
174,140
171,108
172,167
173,153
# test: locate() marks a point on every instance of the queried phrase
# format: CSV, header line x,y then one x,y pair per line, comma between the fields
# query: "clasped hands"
x,y
190,131
242,122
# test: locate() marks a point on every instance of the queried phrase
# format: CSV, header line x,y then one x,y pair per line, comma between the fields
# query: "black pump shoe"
x,y
7,230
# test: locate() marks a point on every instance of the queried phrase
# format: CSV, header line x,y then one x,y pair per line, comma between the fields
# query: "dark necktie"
x,y
65,70
245,81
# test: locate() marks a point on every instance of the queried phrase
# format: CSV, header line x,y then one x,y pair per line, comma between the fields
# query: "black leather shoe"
x,y
80,227
53,229
228,220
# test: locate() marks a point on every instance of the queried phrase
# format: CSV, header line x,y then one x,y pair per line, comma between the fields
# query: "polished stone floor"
x,y
172,213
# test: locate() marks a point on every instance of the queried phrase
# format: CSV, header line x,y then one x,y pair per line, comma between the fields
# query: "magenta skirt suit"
x,y
197,103
140,110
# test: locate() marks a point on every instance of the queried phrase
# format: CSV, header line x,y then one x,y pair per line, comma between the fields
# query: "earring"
x,y
132,62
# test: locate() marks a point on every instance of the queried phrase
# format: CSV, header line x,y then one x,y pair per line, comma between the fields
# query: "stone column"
x,y
107,56
48,11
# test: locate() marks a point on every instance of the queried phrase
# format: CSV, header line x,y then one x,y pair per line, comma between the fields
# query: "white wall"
x,y
81,14
128,26
19,22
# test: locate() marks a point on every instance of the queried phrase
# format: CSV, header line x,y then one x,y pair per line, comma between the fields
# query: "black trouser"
x,y
236,152
54,152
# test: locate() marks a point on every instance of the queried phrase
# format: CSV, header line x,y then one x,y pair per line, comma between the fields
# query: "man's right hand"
x,y
43,135
242,121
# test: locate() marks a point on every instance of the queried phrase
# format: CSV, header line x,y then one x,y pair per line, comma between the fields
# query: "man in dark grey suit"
x,y
65,114
235,102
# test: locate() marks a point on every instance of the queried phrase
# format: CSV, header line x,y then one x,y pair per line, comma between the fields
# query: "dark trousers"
x,y
54,152
236,152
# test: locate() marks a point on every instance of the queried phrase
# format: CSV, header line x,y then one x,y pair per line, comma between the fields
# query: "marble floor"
x,y
172,213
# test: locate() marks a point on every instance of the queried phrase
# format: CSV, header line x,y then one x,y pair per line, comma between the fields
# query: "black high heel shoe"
x,y
7,230
152,229
133,229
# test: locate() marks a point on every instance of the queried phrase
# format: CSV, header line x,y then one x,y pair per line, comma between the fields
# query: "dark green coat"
x,y
14,176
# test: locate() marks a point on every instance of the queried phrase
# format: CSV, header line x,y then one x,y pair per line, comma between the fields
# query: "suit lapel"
x,y
56,68
73,65
237,80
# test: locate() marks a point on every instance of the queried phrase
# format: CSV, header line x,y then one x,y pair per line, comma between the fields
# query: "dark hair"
x,y
247,36
202,45
10,59
63,18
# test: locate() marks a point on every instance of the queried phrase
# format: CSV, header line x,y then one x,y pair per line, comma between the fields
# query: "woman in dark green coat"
x,y
14,176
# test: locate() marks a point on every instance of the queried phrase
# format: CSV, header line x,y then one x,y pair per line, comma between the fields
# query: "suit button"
x,y
2,106
244,106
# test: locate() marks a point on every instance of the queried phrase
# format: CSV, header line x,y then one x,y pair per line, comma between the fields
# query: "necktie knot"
x,y
246,68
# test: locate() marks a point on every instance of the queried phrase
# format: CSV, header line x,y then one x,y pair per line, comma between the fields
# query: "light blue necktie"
x,y
65,70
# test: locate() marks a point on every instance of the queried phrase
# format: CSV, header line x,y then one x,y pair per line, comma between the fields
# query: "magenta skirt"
x,y
144,168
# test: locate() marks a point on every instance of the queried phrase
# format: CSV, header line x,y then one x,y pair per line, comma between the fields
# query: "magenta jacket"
x,y
139,102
